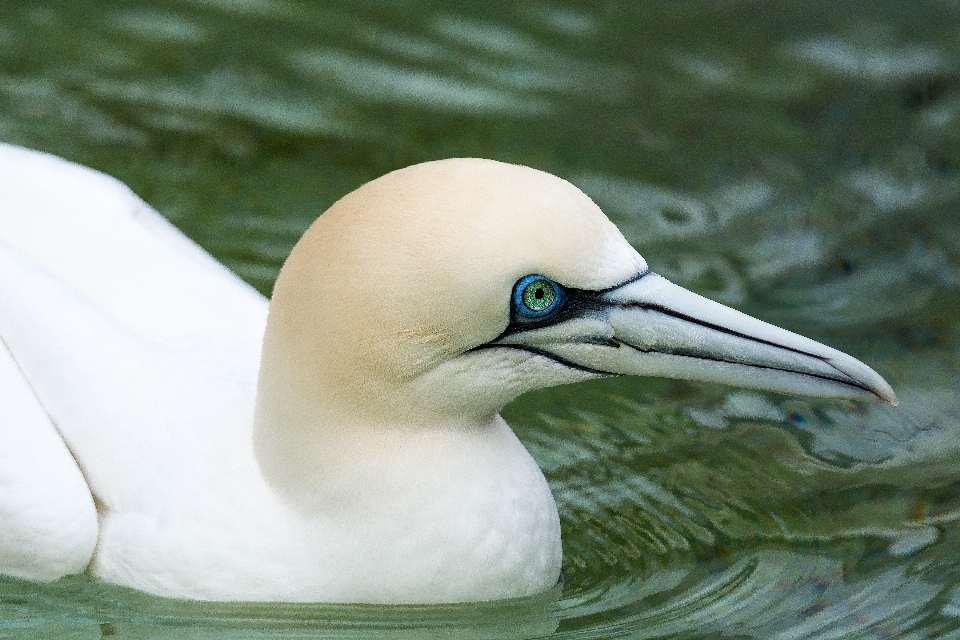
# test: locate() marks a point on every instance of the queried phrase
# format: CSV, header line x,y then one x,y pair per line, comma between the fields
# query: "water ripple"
x,y
797,162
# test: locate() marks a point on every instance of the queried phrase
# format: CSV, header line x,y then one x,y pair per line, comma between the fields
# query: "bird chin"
x,y
482,381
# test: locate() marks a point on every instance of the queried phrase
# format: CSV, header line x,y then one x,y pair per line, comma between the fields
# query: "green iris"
x,y
539,295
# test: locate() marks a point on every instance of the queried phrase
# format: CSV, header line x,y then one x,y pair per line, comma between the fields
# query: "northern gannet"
x,y
373,465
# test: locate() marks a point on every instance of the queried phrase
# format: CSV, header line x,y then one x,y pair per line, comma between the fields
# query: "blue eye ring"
x,y
536,297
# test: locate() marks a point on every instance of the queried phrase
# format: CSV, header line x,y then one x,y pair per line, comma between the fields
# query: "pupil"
x,y
538,294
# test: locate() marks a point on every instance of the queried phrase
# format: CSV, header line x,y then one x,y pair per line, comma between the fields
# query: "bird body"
x,y
163,429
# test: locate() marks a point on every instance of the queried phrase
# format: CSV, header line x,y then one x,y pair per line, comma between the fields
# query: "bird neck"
x,y
315,443
411,513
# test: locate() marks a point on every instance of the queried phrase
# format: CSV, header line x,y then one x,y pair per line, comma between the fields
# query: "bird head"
x,y
441,291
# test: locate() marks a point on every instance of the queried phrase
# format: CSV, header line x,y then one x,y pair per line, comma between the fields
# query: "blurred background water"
x,y
797,160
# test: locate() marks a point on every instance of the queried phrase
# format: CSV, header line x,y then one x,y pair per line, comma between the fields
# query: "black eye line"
x,y
578,303
630,280
546,354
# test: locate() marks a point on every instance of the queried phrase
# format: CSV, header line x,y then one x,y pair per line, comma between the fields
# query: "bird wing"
x,y
141,348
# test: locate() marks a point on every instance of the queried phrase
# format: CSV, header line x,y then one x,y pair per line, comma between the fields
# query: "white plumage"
x,y
374,466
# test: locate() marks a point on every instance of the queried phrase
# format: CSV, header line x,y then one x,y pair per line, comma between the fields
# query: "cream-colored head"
x,y
417,267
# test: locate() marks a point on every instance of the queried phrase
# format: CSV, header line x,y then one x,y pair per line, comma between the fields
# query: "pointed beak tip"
x,y
886,395
868,379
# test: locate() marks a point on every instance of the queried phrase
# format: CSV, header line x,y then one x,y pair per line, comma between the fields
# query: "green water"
x,y
795,159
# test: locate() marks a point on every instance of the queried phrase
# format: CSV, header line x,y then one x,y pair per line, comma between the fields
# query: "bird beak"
x,y
651,327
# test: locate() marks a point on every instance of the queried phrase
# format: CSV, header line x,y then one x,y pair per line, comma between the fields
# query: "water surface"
x,y
796,160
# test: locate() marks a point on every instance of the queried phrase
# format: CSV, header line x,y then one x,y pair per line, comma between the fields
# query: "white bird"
x,y
369,462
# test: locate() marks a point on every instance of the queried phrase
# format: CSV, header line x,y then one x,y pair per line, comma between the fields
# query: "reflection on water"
x,y
798,160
